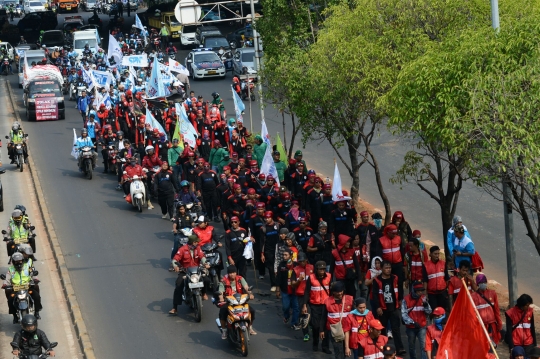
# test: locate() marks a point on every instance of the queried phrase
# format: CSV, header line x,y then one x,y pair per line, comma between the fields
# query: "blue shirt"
x,y
82,103
91,127
81,142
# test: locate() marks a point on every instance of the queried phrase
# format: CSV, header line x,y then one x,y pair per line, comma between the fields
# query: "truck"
x,y
156,19
68,6
43,97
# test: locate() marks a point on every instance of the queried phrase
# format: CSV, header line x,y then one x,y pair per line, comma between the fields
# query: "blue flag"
x,y
239,106
155,87
138,23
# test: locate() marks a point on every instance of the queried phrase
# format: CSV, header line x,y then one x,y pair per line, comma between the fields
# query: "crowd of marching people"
x,y
352,283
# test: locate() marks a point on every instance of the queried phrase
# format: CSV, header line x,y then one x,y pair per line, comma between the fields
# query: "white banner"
x,y
135,60
175,66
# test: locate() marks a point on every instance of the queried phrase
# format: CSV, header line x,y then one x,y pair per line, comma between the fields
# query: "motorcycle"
x,y
112,153
137,193
22,300
248,94
76,89
193,290
238,321
18,153
213,259
5,65
157,43
86,161
34,356
65,86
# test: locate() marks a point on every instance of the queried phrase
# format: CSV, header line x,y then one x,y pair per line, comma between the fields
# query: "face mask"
x,y
378,223
438,322
482,286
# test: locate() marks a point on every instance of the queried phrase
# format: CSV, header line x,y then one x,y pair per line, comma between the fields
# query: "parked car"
x,y
33,6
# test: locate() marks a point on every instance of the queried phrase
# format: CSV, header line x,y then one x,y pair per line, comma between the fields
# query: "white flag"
x,y
138,23
264,134
337,195
115,50
175,66
268,167
74,153
185,127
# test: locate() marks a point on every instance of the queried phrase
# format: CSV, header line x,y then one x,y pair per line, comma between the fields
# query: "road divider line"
x,y
69,292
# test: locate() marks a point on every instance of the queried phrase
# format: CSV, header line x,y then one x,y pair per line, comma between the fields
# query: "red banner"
x,y
46,108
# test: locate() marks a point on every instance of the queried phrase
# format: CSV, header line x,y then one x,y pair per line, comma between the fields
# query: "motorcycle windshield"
x,y
192,270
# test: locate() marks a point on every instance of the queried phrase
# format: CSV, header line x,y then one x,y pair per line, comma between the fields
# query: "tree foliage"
x,y
476,96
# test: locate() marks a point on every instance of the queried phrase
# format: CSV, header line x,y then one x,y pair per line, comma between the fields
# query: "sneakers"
x,y
36,314
252,331
118,188
224,335
306,338
150,205
273,289
296,327
389,334
15,319
164,216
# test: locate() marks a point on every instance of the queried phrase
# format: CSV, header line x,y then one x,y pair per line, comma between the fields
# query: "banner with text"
x,y
46,108
135,60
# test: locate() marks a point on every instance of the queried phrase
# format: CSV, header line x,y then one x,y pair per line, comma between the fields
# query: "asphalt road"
x,y
18,189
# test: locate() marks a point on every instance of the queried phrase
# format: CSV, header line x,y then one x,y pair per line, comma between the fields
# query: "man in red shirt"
x,y
302,271
372,345
434,332
487,304
359,320
520,329
454,284
393,251
414,262
189,255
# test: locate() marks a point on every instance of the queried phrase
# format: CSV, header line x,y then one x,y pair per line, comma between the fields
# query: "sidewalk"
x,y
18,189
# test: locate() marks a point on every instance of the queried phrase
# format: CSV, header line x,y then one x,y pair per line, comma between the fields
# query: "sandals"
x,y
173,312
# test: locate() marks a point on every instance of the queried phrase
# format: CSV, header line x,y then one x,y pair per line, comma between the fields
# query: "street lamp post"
x,y
257,59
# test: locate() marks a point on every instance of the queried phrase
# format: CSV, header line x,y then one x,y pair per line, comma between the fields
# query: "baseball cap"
x,y
376,324
298,153
438,311
389,349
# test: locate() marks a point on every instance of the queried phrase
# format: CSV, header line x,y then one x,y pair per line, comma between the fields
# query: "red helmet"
x,y
292,161
200,160
231,179
107,127
129,93
226,168
251,191
199,104
260,205
155,131
194,100
286,196
270,178
235,219
102,106
262,176
253,163
125,103
268,214
234,155
217,143
327,186
191,154
242,160
199,112
237,186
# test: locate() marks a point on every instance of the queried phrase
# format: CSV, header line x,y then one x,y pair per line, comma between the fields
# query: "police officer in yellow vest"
x,y
19,231
17,136
20,274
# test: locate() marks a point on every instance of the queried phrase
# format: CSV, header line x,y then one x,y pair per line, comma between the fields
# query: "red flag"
x,y
464,336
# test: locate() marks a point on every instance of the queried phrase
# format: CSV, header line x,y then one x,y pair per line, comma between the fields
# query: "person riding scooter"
x,y
30,340
16,137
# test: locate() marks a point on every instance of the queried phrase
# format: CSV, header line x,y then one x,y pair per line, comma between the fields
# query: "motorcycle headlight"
x,y
21,296
194,278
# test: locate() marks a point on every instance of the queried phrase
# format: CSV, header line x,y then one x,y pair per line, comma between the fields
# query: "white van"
x,y
81,38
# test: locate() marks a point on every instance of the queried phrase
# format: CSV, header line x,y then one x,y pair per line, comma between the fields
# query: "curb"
x,y
71,298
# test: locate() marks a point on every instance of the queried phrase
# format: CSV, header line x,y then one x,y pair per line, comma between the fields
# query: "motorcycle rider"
x,y
189,255
181,220
171,49
30,339
17,136
20,274
236,239
5,56
22,41
134,169
84,141
230,284
18,229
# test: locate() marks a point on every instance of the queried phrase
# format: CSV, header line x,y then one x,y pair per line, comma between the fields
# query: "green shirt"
x,y
258,152
280,167
173,154
164,31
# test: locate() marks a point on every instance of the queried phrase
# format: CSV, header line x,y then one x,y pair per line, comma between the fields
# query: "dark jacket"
x,y
163,183
31,344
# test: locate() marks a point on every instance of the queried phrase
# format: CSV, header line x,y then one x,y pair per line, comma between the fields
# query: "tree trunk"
x,y
378,179
293,136
355,168
446,219
284,132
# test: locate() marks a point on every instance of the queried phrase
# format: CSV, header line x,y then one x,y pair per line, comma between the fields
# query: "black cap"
x,y
302,257
320,265
389,349
231,269
338,287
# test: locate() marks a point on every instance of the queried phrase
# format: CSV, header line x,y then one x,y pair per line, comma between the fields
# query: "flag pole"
x,y
479,318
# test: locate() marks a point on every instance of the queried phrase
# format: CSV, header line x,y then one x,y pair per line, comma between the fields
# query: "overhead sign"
x,y
135,60
46,108
187,12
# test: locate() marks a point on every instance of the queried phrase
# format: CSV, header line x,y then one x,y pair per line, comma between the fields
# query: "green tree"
x,y
474,99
